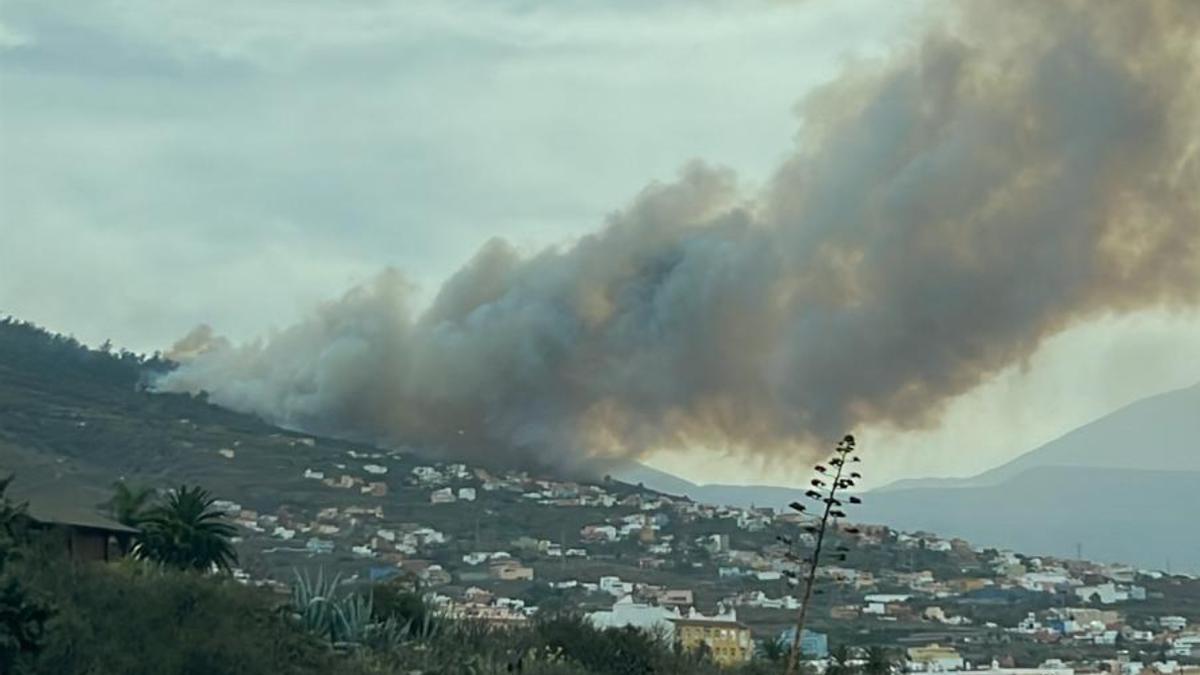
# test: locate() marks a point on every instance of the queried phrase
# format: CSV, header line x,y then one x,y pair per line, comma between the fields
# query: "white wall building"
x,y
626,612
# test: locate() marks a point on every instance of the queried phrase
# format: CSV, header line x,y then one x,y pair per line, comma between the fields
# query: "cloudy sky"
x,y
168,164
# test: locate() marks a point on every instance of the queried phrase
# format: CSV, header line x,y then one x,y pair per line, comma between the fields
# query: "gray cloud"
x,y
1024,168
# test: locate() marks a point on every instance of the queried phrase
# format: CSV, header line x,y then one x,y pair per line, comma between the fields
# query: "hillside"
x,y
73,420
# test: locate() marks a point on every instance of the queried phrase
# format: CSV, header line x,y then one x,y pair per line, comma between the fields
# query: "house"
x,y
1051,667
934,659
726,640
319,546
434,575
344,482
813,645
614,586
676,598
466,494
85,534
1109,593
1174,624
427,474
625,612
598,533
475,558
510,570
442,496
1186,645
375,489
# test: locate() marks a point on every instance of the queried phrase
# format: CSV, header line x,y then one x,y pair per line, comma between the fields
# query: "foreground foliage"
x,y
186,532
135,618
142,617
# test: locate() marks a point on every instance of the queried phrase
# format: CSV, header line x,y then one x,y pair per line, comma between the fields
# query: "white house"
x,y
1108,593
626,612
475,558
1172,623
615,586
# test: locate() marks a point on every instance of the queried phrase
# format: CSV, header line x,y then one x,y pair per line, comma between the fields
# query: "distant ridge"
x,y
1124,487
1160,432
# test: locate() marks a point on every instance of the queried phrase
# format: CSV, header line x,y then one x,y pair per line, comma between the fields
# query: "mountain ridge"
x,y
1142,458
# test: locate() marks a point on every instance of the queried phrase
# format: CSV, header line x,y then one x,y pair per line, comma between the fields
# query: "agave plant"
x,y
345,619
352,624
314,601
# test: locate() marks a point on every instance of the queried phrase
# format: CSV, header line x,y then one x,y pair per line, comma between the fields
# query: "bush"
x,y
134,619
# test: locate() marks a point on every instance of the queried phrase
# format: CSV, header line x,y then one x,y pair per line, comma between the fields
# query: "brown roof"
x,y
55,507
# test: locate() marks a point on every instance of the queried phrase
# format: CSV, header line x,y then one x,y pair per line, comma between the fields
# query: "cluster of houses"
x,y
754,578
1092,625
937,658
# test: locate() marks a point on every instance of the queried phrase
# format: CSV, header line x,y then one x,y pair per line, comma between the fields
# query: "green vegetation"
x,y
135,617
129,504
23,616
185,532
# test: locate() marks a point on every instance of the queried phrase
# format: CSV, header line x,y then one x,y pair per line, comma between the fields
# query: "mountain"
x,y
710,493
1146,518
1158,433
1125,487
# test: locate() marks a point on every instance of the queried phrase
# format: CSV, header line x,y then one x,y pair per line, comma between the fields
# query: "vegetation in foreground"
x,y
142,616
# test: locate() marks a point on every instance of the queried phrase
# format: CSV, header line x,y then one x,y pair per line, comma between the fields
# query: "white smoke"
x,y
1026,167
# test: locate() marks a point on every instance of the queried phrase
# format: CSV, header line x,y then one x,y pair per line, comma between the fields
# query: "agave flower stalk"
x,y
832,480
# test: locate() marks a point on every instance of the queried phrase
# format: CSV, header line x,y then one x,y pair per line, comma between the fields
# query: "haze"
x,y
236,167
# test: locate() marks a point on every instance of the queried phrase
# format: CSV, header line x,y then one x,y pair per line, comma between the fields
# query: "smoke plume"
x,y
1025,167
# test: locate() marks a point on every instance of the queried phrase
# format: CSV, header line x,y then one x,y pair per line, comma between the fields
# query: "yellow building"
x,y
728,642
934,658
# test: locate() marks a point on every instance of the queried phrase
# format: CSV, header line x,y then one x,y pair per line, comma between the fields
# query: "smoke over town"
x,y
1021,169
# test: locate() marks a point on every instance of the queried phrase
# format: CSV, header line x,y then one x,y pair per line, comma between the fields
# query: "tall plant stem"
x,y
794,654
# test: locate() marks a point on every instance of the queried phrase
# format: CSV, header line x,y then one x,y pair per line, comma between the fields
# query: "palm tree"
x,y
879,661
128,505
186,532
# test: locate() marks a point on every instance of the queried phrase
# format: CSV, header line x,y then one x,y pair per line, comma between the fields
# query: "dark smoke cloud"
x,y
1024,168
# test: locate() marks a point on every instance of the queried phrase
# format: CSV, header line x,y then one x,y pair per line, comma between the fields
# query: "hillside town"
x,y
498,547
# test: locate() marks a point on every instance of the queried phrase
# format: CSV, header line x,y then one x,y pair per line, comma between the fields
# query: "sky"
x,y
169,164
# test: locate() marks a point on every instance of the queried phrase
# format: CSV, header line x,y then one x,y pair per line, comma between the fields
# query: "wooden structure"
x,y
87,535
